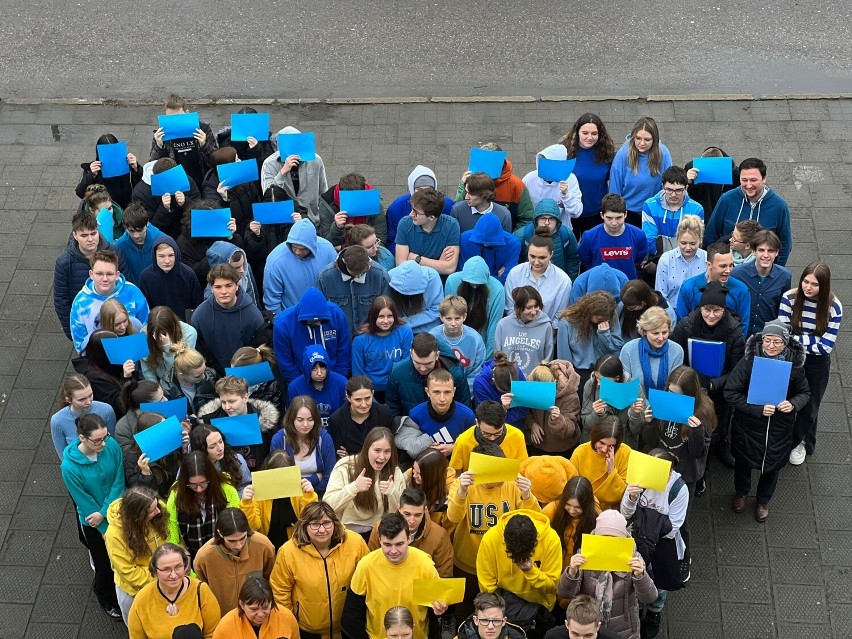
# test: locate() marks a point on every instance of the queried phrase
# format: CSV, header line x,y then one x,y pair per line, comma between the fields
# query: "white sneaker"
x,y
797,455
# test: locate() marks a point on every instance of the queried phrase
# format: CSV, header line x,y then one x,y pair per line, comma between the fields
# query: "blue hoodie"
x,y
564,242
138,257
411,278
637,187
286,276
484,389
292,333
475,272
599,278
331,396
220,252
659,220
498,247
401,206
375,355
93,485
86,308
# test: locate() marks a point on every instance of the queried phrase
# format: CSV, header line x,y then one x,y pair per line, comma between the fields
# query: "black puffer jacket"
x,y
764,442
728,330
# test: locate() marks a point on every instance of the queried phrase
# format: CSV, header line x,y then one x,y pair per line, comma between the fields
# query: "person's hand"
x,y
638,407
439,607
464,176
184,440
692,174
536,434
158,137
768,410
693,421
500,271
563,187
252,142
603,326
95,167
785,407
94,520
166,199
448,254
222,190
649,413
525,565
132,161
575,564
555,413
180,198
362,482
200,136
128,368
524,485
248,492
444,449
255,227
307,486
342,452
386,486
506,400
610,459
296,216
142,463
599,406
465,482
289,163
340,219
634,491
637,565
232,226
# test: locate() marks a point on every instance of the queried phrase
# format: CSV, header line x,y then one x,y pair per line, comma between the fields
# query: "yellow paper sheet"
x,y
425,591
280,482
647,471
488,470
607,553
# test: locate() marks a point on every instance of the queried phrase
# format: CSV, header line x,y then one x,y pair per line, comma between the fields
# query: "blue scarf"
x,y
645,355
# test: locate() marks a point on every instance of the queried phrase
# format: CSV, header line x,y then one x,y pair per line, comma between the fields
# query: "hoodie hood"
x,y
303,233
475,270
314,307
409,278
539,519
72,453
113,516
288,129
488,231
795,351
416,173
166,239
314,353
148,171
220,252
605,278
548,206
553,152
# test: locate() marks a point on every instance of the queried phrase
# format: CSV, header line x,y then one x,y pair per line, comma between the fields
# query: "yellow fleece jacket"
x,y
279,623
259,513
131,573
608,487
513,445
478,512
495,570
148,618
386,585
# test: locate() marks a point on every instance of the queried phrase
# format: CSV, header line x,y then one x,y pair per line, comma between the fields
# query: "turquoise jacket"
x,y
93,485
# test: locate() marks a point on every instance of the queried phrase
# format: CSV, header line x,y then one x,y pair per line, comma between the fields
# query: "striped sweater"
x,y
814,344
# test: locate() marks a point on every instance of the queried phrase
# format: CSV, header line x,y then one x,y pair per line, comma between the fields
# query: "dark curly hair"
x,y
520,537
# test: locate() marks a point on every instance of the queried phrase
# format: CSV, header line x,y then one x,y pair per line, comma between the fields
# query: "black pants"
x,y
104,579
765,485
816,372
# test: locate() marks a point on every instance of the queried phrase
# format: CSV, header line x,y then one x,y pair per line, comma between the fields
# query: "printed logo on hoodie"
x,y
616,252
485,516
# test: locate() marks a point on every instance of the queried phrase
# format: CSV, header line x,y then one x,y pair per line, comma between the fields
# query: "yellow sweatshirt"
x,y
495,570
259,513
279,623
477,513
386,585
608,487
149,620
513,445
131,573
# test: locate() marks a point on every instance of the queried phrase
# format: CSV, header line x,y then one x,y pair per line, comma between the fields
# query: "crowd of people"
x,y
393,342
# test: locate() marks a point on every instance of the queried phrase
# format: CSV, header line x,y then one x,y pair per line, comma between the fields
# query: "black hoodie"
x,y
178,289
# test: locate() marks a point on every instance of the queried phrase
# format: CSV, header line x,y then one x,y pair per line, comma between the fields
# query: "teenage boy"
x,y
324,386
765,280
164,211
582,621
752,201
428,237
464,342
137,242
435,423
566,193
552,283
226,321
488,620
548,223
168,281
740,241
720,264
72,266
423,533
333,221
521,559
490,426
662,213
478,201
105,282
420,178
381,581
614,241
193,154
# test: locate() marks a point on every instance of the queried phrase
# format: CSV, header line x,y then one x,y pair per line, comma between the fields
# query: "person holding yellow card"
x,y
490,426
603,461
616,593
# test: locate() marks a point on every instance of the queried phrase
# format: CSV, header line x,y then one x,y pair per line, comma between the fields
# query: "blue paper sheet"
x,y
541,395
671,407
236,173
249,125
770,379
130,347
301,144
173,408
170,181
273,212
179,126
360,203
210,223
555,170
706,357
619,395
159,440
253,373
242,430
106,225
488,162
714,170
113,159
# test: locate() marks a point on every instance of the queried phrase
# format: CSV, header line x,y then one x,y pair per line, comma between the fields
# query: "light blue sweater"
x,y
633,367
585,354
637,187
63,430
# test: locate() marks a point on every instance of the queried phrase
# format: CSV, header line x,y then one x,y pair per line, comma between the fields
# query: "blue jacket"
x,y
224,330
411,278
765,296
178,289
771,211
86,309
657,220
401,206
93,485
598,278
564,243
286,276
406,387
138,258
461,419
375,355
220,252
475,271
292,333
70,274
324,456
484,389
352,296
739,298
488,240
637,187
333,393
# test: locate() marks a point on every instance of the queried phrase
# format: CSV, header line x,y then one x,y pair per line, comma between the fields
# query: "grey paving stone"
x,y
832,448
52,346
829,479
30,283
39,514
742,584
49,234
748,621
22,307
739,548
696,604
10,492
19,584
838,582
841,619
49,322
12,244
44,480
15,618
68,566
97,625
836,547
26,548
795,566
51,631
67,536
787,532
10,360
40,374
16,334
27,402
42,258
801,604
60,604
832,418
15,463
811,631
792,496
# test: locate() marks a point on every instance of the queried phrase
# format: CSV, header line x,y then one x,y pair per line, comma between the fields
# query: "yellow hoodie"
x,y
495,570
478,512
259,513
608,487
131,573
513,445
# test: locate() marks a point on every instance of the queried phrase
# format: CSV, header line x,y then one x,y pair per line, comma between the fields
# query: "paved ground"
x,y
272,48
791,577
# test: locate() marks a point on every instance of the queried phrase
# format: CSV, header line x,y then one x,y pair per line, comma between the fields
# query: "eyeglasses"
x,y
670,191
98,441
200,485
179,570
491,436
416,213
773,342
490,622
712,311
325,525
375,244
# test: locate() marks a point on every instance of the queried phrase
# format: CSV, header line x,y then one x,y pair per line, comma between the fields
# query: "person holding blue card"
x,y
593,408
239,198
249,147
555,430
120,188
566,192
157,474
333,221
762,436
706,194
165,211
191,152
303,181
109,213
262,357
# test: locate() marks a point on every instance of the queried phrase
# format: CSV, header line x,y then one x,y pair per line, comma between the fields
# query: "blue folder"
x,y
706,357
113,159
770,379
